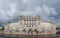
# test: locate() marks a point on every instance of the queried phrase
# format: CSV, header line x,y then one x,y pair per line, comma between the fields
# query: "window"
x,y
32,25
28,25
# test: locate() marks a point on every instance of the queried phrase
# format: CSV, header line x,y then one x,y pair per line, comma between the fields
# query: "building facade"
x,y
30,24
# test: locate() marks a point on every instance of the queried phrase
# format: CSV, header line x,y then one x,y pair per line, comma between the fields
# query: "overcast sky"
x,y
49,10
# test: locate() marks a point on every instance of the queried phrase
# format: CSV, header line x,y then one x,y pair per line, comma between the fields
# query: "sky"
x,y
49,10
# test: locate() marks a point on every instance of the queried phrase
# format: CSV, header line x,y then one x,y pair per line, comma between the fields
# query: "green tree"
x,y
2,28
58,28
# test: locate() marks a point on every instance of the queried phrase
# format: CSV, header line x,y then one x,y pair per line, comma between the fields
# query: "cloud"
x,y
43,11
12,7
26,7
46,12
25,1
3,15
7,11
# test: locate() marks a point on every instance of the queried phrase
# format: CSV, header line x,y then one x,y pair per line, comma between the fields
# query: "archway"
x,y
36,31
30,32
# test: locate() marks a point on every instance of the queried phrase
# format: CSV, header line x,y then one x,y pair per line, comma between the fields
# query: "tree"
x,y
2,28
58,28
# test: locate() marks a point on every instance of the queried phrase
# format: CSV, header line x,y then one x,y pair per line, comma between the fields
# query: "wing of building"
x,y
28,23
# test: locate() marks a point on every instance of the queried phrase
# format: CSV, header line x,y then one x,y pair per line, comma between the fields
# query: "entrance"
x,y
30,32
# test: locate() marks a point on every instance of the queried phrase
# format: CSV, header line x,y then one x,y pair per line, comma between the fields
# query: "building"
x,y
30,24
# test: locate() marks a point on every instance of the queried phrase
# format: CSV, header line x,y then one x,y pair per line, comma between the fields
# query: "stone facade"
x,y
30,24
